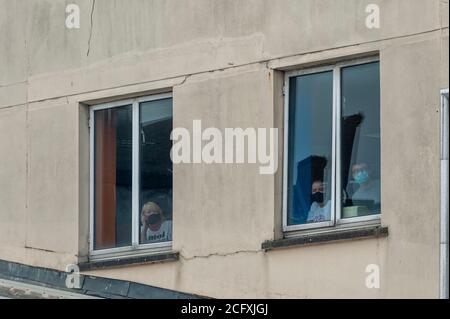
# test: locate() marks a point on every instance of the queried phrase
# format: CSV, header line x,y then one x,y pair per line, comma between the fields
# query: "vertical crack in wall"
x,y
91,27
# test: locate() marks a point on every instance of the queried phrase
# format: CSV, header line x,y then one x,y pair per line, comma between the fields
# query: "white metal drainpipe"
x,y
444,196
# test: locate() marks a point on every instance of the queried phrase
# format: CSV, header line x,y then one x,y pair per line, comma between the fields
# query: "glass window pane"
x,y
310,148
360,140
113,162
155,171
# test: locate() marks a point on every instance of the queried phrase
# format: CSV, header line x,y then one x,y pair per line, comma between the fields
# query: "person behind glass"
x,y
320,210
155,228
369,188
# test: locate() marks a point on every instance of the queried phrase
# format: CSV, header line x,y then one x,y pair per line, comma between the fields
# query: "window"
x,y
332,154
131,175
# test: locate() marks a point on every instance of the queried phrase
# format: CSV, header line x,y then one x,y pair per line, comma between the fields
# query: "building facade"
x,y
353,88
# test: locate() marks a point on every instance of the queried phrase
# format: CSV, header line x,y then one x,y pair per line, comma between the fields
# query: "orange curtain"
x,y
105,179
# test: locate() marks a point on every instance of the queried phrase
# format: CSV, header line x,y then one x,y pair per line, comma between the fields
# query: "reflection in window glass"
x,y
113,162
360,140
310,148
155,179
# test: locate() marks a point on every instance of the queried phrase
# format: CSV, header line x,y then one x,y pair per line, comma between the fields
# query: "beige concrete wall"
x,y
224,62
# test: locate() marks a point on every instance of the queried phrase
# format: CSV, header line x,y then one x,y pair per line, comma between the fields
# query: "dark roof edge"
x,y
89,285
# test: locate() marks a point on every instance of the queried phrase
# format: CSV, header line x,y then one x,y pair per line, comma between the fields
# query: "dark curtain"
x,y
308,170
349,131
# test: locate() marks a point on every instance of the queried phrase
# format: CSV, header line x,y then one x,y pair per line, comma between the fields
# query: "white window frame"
x,y
336,192
136,248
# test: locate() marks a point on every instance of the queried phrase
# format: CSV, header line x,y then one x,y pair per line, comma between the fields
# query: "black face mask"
x,y
154,219
317,197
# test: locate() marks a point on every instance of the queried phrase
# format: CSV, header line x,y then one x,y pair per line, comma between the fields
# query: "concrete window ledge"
x,y
327,237
128,261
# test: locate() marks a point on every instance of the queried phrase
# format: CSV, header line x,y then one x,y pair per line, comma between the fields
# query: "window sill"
x,y
129,261
327,237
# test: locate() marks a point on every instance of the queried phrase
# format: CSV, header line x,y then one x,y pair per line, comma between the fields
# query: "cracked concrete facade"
x,y
224,62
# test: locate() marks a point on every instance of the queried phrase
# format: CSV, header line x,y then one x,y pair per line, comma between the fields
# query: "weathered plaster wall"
x,y
223,60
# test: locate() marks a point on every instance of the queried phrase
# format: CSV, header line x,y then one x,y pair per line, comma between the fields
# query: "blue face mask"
x,y
361,177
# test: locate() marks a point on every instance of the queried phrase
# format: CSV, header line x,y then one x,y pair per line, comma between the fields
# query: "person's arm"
x,y
310,214
143,233
327,211
169,231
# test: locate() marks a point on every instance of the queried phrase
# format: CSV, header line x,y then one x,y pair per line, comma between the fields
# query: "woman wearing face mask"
x,y
155,228
320,210
369,188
